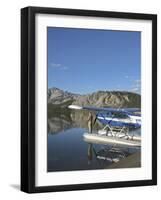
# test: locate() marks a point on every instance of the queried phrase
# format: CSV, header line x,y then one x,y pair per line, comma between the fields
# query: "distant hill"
x,y
118,99
58,97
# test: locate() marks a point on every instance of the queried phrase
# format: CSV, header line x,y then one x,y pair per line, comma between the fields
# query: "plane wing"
x,y
97,109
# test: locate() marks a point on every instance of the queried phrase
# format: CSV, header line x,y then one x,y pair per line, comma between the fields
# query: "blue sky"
x,y
85,60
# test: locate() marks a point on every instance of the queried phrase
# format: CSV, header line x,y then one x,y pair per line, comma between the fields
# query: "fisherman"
x,y
90,121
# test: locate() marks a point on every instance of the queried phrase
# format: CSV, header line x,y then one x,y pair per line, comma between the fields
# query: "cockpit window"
x,y
118,115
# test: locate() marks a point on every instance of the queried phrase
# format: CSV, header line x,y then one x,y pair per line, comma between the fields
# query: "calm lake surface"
x,y
67,151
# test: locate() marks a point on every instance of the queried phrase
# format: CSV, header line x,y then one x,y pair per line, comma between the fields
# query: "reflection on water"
x,y
68,151
62,122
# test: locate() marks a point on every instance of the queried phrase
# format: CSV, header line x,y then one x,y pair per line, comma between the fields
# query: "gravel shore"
x,y
133,160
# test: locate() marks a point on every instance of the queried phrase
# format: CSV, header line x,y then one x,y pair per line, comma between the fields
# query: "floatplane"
x,y
117,123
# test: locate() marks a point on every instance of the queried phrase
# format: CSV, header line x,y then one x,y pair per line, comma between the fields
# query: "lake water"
x,y
67,151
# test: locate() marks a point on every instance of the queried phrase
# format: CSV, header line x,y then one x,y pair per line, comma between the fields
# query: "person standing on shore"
x,y
90,121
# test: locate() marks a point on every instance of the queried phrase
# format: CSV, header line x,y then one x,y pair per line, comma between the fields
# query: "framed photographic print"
x,y
88,99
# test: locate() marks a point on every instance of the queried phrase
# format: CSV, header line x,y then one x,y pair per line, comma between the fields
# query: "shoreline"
x,y
131,161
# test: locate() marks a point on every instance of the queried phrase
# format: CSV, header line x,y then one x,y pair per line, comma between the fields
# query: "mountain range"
x,y
118,99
